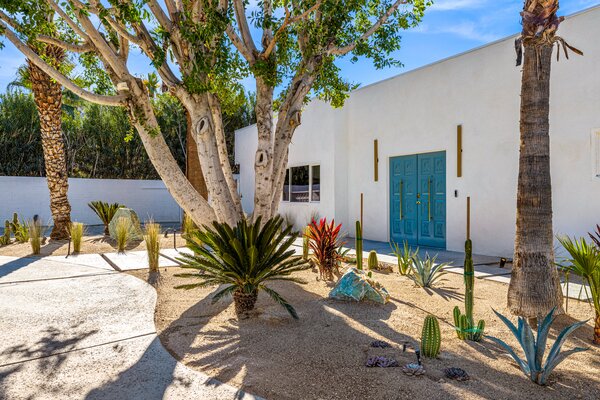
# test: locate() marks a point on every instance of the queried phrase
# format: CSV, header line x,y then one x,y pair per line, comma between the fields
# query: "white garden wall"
x,y
418,112
29,196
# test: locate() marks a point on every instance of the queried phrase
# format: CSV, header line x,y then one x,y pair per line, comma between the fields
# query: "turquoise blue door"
x,y
418,199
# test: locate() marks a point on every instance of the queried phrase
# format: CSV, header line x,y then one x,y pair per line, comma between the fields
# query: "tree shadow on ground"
x,y
274,356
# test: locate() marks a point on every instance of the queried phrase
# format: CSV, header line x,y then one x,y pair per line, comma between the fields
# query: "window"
x,y
300,188
315,183
286,186
302,184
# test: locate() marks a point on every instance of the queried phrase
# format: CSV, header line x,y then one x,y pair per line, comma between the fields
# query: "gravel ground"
x,y
322,355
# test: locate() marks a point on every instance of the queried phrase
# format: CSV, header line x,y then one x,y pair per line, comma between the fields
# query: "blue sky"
x,y
449,27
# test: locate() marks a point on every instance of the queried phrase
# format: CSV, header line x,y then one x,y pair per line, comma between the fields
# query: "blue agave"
x,y
534,349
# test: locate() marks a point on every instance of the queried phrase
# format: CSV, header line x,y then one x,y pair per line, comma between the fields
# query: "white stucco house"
x,y
441,133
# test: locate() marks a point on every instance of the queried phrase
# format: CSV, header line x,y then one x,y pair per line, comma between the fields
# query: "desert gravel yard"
x,y
322,355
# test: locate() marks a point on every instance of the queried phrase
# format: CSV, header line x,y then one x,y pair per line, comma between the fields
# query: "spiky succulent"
x,y
426,272
534,348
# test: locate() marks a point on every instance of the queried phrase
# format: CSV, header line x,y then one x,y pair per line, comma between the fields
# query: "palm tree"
x,y
534,286
47,94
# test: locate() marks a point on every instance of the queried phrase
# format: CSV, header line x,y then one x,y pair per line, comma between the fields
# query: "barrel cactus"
x,y
359,246
431,338
372,262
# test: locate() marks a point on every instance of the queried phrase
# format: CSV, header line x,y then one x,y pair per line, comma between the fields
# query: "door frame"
x,y
389,193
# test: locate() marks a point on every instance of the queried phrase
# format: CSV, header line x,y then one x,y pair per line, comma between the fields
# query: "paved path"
x,y
84,331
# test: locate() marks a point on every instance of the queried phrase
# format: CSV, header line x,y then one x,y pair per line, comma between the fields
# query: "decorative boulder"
x,y
356,285
136,230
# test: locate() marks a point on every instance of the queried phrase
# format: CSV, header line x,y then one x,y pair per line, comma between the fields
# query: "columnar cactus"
x,y
464,323
431,338
372,262
5,239
305,243
359,246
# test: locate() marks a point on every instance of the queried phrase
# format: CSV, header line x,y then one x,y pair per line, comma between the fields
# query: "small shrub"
x,y
20,229
596,236
5,238
426,272
324,242
405,256
534,348
244,258
35,234
152,240
104,211
76,232
124,233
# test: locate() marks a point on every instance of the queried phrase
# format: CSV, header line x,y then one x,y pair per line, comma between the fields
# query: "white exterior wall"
x,y
417,112
29,196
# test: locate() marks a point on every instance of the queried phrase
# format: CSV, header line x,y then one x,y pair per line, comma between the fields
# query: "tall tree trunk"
x,y
534,286
48,99
193,170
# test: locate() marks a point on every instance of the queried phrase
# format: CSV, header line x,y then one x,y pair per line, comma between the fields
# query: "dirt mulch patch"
x,y
322,356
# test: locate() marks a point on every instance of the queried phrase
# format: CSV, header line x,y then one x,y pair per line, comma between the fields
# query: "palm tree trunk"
x,y
534,287
48,99
597,329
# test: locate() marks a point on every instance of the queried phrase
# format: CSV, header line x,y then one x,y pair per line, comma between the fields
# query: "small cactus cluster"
x,y
372,262
305,243
5,238
431,338
359,246
464,323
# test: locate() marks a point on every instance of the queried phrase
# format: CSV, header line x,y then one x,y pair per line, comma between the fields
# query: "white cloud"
x,y
469,30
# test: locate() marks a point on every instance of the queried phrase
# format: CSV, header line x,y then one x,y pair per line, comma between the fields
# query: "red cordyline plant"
x,y
324,241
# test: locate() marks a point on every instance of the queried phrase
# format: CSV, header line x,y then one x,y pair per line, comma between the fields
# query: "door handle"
x,y
429,199
401,187
418,202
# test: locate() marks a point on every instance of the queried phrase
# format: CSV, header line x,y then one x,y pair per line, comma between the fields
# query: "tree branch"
x,y
287,22
75,48
242,22
67,19
340,51
160,15
117,100
239,45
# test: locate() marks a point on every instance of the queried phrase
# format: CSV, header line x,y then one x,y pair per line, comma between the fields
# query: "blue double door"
x,y
418,199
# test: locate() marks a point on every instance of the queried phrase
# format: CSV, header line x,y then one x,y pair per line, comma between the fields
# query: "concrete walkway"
x,y
81,330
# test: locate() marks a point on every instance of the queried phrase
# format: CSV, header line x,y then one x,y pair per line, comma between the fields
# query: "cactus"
x,y
19,229
5,239
372,262
431,338
359,246
305,243
464,323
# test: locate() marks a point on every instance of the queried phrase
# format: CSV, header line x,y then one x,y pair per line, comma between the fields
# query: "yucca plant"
x,y
104,211
124,233
405,256
325,242
534,348
244,258
152,240
585,262
426,272
35,235
76,232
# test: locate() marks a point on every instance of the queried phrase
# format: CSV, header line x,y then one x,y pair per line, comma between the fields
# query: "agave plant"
x,y
426,272
104,211
324,241
405,256
534,348
243,258
585,262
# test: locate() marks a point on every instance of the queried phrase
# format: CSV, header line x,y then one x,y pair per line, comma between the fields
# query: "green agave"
x,y
426,272
534,348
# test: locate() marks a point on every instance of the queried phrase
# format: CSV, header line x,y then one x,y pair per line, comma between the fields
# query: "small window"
x,y
316,183
300,184
286,186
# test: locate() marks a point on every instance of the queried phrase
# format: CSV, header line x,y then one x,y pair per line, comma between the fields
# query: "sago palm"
x,y
243,258
104,211
585,262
